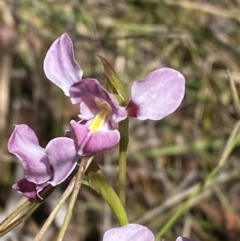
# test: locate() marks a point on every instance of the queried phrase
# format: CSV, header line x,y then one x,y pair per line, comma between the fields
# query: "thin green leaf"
x,y
115,84
98,182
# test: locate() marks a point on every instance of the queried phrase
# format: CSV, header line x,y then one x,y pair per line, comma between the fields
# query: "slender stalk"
x,y
14,214
50,218
85,162
23,212
31,210
32,207
123,129
225,154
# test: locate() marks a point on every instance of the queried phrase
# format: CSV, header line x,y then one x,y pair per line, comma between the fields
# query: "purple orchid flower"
x,y
153,97
42,167
132,232
129,232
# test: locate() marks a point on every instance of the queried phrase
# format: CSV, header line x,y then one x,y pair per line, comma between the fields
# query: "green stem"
x,y
85,162
123,129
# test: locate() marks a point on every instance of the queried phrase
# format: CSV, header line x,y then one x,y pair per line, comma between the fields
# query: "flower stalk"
x,y
49,220
123,145
18,217
84,164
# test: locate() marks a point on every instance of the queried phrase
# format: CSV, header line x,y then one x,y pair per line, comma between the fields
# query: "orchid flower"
x,y
132,232
153,97
129,232
42,167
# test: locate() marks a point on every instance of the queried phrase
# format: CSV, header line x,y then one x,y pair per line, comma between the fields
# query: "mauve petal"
x,y
129,232
184,239
60,66
88,110
27,188
157,95
97,142
62,155
90,143
121,112
80,133
23,143
88,90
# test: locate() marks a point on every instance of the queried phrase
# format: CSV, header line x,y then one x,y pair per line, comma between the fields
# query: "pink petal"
x,y
60,66
63,158
80,133
90,143
88,110
129,232
23,143
28,189
157,95
97,142
88,90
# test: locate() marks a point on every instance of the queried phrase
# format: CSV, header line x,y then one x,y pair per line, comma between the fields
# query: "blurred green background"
x,y
166,158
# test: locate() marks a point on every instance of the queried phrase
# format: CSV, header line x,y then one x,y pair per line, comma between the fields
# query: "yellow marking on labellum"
x,y
98,121
104,110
